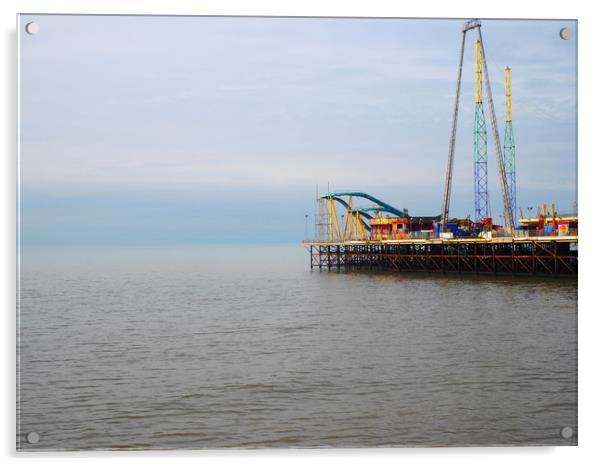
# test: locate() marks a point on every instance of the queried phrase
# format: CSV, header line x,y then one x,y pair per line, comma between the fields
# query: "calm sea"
x,y
194,347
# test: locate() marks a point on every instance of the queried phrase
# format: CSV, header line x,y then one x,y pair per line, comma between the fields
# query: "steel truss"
x,y
534,257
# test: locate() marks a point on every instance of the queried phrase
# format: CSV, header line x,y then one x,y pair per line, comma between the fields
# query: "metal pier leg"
x,y
555,258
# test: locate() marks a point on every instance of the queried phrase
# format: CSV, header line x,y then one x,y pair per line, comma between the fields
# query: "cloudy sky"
x,y
160,130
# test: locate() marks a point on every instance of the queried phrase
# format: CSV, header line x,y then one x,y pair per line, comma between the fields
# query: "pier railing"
x,y
429,235
535,233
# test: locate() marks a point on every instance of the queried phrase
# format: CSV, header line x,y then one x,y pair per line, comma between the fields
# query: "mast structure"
x,y
481,191
452,140
509,148
508,215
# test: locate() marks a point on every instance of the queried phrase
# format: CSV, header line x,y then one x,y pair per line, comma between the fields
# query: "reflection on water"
x,y
246,347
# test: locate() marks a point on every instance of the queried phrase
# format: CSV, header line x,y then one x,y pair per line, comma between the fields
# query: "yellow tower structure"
x,y
508,86
478,73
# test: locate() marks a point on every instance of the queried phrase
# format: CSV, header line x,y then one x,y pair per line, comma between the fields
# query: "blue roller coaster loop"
x,y
385,207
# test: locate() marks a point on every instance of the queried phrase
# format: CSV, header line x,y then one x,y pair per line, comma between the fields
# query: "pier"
x,y
354,229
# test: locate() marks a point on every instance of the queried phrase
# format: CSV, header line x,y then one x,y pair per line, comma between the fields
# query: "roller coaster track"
x,y
383,205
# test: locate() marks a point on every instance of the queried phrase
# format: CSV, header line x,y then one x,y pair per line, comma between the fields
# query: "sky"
x,y
191,130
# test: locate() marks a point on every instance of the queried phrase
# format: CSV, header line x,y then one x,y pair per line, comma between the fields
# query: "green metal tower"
x,y
481,191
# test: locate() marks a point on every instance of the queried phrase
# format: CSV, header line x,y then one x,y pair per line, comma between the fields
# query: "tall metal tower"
x,y
481,191
509,149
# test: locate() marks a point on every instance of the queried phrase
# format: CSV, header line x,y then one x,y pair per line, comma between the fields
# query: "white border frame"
x,y
590,169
